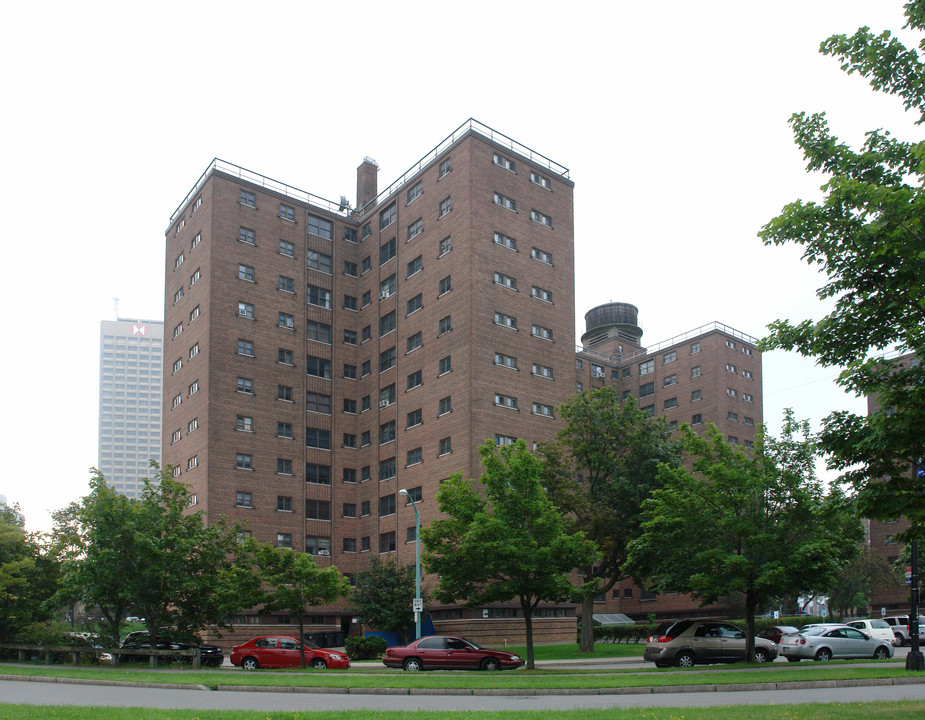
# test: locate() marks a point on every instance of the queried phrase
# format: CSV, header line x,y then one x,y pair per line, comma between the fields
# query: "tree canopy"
x,y
502,538
382,596
867,235
616,449
757,524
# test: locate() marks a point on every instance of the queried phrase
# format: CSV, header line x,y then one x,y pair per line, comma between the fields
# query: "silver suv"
x,y
900,626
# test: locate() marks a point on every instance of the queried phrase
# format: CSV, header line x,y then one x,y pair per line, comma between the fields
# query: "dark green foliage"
x,y
365,648
382,596
867,236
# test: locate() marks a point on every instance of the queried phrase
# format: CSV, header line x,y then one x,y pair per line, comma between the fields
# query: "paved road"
x,y
41,693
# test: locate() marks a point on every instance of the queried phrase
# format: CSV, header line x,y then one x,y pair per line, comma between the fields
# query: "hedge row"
x,y
364,648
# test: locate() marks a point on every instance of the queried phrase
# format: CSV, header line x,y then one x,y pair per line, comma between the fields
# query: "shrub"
x,y
364,648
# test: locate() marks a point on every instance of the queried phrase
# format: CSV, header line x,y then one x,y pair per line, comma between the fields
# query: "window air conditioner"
x,y
324,552
383,403
384,294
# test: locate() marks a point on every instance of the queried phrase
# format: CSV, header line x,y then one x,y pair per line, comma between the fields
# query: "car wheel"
x,y
823,655
685,659
902,640
881,653
318,664
490,664
250,663
411,665
793,659
761,655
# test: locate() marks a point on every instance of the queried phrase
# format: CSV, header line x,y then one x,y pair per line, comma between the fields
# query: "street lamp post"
x,y
418,605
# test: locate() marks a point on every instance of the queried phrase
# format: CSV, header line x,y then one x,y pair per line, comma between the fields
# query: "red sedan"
x,y
284,652
449,653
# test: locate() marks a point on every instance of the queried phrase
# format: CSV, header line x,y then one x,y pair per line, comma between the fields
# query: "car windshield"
x,y
475,645
310,645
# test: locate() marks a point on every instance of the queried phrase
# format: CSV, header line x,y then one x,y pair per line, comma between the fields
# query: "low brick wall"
x,y
510,631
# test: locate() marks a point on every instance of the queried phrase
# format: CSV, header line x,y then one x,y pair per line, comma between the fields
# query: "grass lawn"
x,y
571,652
816,711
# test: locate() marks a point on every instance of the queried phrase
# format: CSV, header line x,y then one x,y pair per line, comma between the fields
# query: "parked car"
x,y
283,651
690,642
900,626
211,655
775,632
437,652
828,642
89,640
876,629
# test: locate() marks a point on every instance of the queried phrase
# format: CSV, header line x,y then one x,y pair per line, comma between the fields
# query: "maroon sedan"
x,y
449,653
775,632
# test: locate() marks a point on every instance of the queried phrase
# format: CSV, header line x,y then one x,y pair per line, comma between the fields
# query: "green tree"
x,y
851,588
756,524
28,576
382,596
868,236
502,538
617,449
293,582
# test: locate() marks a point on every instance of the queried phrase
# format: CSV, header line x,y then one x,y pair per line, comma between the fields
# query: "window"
x,y
747,397
416,265
446,365
446,325
387,432
245,385
318,402
177,365
647,389
505,202
317,367
695,348
695,395
387,469
317,474
175,437
445,206
317,438
732,417
243,461
350,268
317,331
538,179
319,297
446,446
386,542
696,419
321,227
177,330
506,320
731,345
349,510
411,533
506,241
364,368
387,505
247,198
541,255
243,499
747,374
504,162
505,280
320,262
749,421
196,240
283,466
542,371
732,440
284,503
387,323
730,368
445,246
246,235
731,392
414,379
365,265
387,217
350,406
541,332
286,248
194,313
505,401
179,261
670,380
244,423
747,350
415,494
505,361
445,167
284,356
415,341
670,403
504,440
317,510
387,359
415,191
246,347
350,475
367,298
446,405
647,367
192,425
193,351
177,296
540,409
284,392
193,462
415,417
541,218
415,303
386,251
286,284
541,294
349,440
350,371
350,337
387,396
315,545
286,321
246,310
446,284
669,357
350,302
194,278
695,371
415,228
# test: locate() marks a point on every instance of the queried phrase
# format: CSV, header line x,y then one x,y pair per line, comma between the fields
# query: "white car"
x,y
877,629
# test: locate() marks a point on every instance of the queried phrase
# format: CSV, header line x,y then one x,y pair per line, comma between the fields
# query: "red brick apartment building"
x,y
318,359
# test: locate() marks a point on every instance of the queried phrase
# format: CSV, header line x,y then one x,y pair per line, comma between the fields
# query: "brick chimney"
x,y
366,181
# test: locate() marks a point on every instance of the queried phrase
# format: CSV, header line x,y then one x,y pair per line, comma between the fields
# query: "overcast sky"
x,y
672,117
